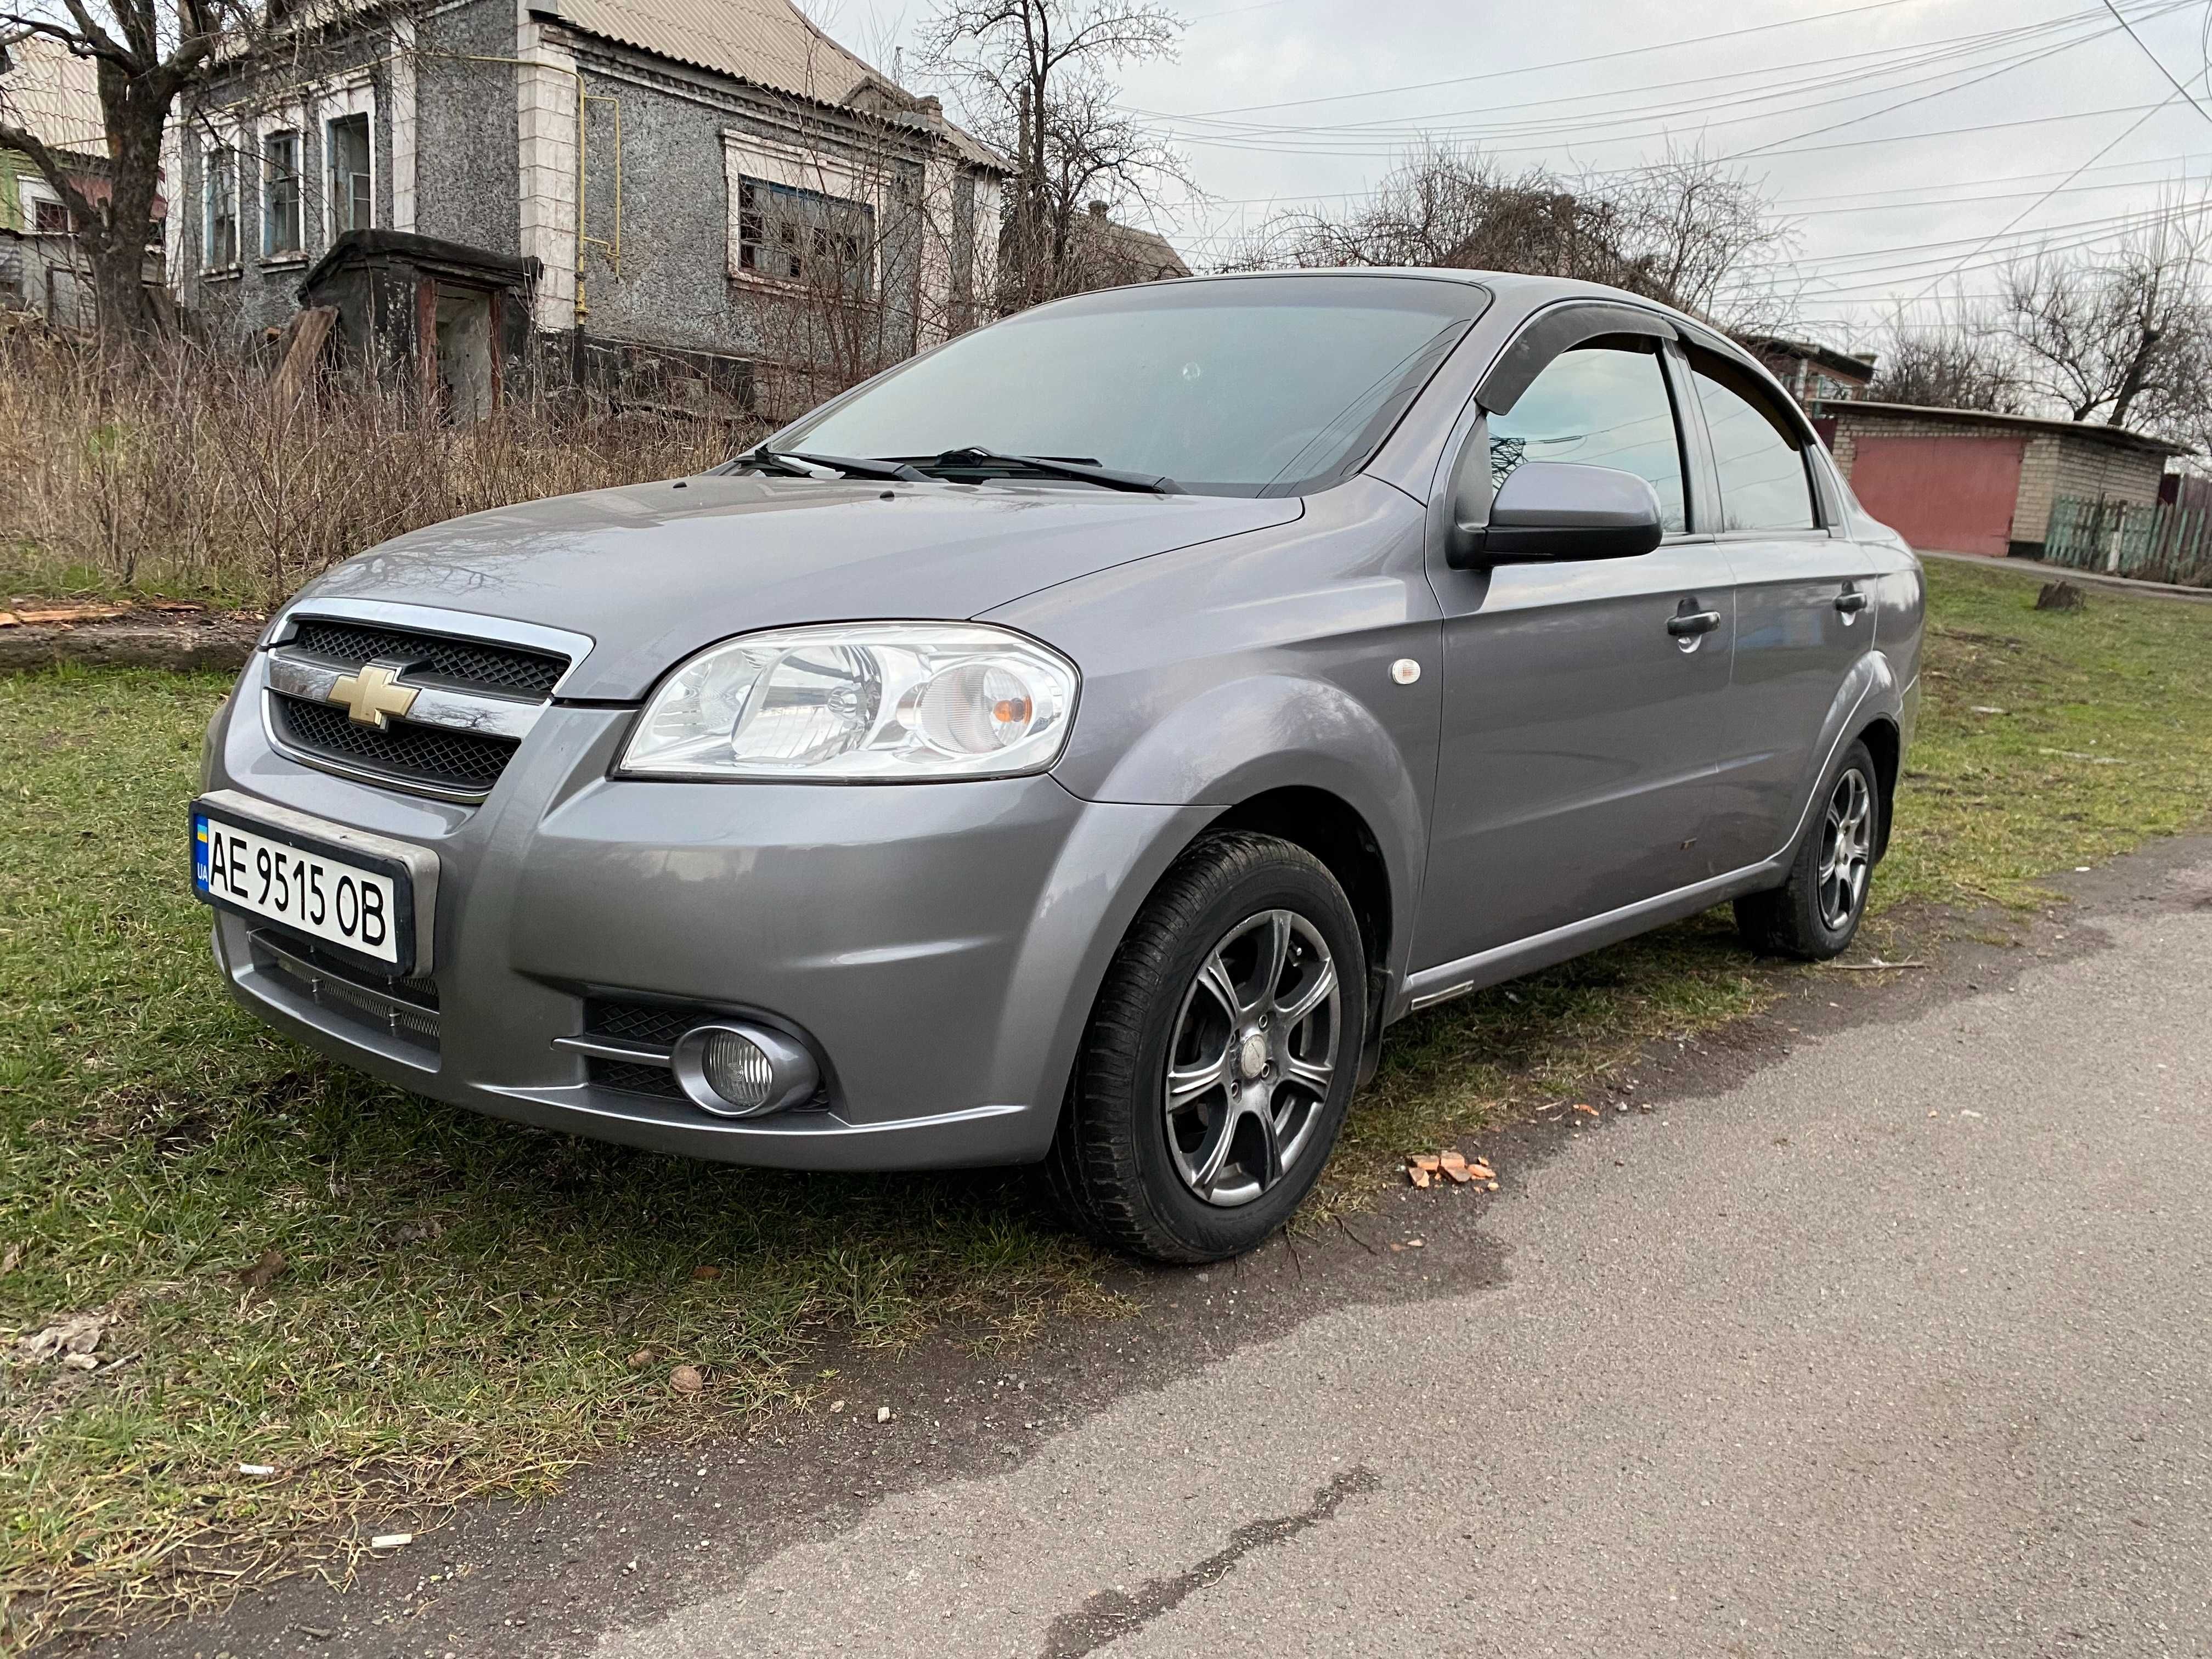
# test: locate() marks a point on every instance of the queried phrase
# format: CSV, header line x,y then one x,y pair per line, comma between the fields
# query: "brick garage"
x,y
1964,481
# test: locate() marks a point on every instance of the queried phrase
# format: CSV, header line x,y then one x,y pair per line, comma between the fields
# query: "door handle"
x,y
1850,602
1689,623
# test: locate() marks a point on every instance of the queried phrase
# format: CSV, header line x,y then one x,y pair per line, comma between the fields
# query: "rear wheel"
x,y
1815,913
1221,1056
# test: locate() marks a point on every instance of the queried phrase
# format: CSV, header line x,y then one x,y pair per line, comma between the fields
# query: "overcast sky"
x,y
1899,135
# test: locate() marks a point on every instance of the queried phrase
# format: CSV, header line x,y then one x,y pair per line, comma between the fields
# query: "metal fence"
x,y
2152,544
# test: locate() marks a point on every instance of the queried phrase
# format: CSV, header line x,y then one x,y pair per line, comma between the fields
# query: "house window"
x,y
353,205
801,235
220,183
43,214
280,194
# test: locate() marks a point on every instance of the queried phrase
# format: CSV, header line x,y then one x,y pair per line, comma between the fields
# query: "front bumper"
x,y
938,945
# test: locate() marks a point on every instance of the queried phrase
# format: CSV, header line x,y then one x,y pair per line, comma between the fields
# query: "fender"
x,y
1869,692
1277,731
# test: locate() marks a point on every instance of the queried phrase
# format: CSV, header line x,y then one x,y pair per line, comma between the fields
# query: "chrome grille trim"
x,y
481,712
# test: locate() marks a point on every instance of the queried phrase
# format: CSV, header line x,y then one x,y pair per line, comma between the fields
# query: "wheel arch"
x,y
1885,741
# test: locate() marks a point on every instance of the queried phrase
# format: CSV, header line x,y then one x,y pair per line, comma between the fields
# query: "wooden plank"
x,y
302,349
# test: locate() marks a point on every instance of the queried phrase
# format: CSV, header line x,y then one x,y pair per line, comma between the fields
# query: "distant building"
x,y
1103,252
54,95
686,196
1964,481
1814,375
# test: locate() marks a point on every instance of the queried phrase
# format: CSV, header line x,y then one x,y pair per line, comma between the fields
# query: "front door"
x,y
1580,731
1804,614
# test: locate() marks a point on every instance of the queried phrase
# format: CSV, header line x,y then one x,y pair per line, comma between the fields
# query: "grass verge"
x,y
459,1299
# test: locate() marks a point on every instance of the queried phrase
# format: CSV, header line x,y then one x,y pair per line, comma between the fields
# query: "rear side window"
x,y
1757,452
1603,404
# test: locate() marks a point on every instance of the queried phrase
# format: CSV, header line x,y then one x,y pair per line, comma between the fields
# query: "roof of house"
x,y
769,43
55,95
1125,253
1850,364
2116,437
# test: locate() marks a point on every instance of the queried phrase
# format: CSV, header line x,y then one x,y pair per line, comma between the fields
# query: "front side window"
x,y
280,193
352,202
1261,385
804,236
220,181
1602,403
1757,452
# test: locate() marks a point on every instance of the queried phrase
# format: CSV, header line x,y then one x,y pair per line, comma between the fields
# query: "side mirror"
x,y
1555,510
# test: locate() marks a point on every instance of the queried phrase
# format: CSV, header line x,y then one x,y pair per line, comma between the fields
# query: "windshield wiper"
x,y
1046,466
793,463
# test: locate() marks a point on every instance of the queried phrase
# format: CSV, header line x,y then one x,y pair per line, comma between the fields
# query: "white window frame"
x,y
276,126
30,192
749,156
355,97
224,141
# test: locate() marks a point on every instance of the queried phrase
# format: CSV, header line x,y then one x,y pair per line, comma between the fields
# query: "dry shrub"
x,y
176,471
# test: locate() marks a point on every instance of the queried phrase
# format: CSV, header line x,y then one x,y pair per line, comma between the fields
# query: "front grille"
x,y
468,662
466,762
404,1010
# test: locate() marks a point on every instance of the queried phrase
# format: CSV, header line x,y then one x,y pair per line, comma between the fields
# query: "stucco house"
x,y
684,193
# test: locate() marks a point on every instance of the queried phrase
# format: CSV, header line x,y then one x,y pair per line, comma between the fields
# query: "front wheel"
x,y
1815,913
1221,1056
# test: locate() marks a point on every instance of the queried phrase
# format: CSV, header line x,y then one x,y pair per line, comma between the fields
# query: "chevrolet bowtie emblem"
x,y
373,694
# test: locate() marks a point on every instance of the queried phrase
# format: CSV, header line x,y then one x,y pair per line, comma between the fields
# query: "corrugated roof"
x,y
767,42
55,95
2095,432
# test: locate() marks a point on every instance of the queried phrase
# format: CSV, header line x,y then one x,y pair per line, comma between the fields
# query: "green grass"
x,y
461,1297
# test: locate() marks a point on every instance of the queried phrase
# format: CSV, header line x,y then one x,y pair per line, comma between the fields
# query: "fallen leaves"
x,y
687,1379
1422,1169
1585,1107
705,1271
70,1340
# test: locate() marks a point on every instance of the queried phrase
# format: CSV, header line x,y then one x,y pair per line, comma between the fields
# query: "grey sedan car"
x,y
1079,743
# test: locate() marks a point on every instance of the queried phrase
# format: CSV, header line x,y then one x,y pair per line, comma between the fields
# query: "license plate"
x,y
361,905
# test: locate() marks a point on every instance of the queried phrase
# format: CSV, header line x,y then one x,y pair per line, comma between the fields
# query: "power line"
x,y
1534,69
2156,61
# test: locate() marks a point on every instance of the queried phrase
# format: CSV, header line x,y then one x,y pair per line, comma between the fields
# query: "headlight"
x,y
860,702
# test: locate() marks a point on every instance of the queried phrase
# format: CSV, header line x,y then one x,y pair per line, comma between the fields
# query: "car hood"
x,y
651,573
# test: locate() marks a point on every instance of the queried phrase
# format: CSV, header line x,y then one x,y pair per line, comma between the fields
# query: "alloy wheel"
x,y
1846,850
1253,1056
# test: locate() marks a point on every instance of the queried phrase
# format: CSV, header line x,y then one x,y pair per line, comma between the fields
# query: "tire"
x,y
1815,913
1261,1093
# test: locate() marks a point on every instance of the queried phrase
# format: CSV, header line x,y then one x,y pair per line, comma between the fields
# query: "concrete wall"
x,y
2052,464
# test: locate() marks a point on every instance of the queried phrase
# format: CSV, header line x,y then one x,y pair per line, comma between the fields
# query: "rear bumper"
x,y
938,946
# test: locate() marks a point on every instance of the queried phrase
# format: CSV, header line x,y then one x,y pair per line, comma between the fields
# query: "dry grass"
x,y
179,474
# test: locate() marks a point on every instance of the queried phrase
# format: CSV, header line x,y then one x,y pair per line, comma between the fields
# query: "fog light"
x,y
743,1071
735,1068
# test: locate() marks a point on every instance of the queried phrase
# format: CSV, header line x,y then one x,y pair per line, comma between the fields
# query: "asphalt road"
x,y
1887,1330
1902,1346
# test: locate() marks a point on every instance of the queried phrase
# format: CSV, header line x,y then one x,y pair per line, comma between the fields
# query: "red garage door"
x,y
1952,494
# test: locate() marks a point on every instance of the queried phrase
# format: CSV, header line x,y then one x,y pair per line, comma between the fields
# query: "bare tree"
x,y
146,53
1033,78
1954,365
1699,235
1685,231
2120,337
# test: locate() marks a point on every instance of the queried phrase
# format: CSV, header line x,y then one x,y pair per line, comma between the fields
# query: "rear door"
x,y
1580,735
1804,610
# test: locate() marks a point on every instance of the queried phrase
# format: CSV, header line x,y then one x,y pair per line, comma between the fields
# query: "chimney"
x,y
1099,209
932,108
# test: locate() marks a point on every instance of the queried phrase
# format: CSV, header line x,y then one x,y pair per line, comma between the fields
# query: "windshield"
x,y
1270,387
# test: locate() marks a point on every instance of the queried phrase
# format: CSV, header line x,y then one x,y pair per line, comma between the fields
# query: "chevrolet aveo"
x,y
1077,744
